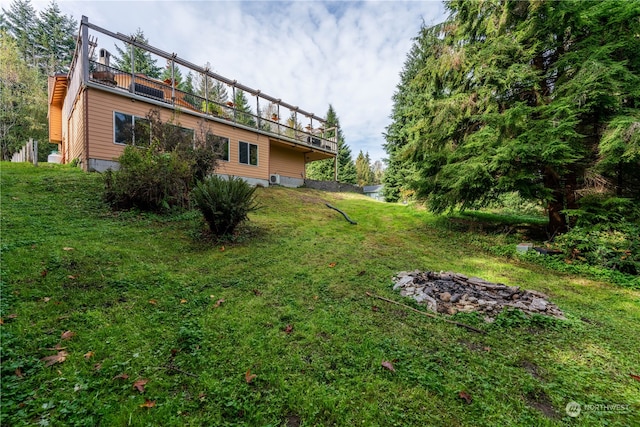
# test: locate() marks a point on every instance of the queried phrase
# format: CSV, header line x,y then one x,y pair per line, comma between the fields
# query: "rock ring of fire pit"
x,y
450,293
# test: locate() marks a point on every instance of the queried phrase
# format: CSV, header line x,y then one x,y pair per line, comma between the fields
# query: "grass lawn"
x,y
149,324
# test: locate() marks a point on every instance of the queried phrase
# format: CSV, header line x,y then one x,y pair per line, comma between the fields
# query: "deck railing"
x,y
166,93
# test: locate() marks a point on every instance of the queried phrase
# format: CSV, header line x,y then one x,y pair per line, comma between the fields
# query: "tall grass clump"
x,y
224,203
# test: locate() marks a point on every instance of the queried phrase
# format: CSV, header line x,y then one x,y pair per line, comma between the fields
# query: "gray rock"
x,y
538,304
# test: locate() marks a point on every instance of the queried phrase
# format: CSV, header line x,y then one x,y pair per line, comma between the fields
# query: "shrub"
x,y
607,234
224,203
160,173
148,179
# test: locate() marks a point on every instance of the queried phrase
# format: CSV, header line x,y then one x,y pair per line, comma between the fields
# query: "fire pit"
x,y
450,293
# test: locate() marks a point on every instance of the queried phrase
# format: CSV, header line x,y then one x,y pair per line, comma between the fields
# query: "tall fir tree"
x,y
537,97
363,169
243,113
55,38
324,170
143,61
20,21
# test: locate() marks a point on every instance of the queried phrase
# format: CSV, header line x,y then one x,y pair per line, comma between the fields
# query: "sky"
x,y
308,53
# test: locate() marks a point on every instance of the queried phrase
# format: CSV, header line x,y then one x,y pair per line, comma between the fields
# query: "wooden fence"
x,y
28,153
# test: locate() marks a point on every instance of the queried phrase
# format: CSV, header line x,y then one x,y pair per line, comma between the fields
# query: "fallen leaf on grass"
x,y
43,273
148,403
182,301
58,347
362,273
466,396
257,292
221,248
388,365
56,358
375,308
12,316
88,354
332,264
67,249
218,303
635,377
248,376
72,277
1,321
153,302
67,335
487,348
139,384
288,329
97,366
202,397
121,377
18,372
46,299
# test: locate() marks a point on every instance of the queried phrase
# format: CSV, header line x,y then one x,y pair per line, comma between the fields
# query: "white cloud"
x,y
308,53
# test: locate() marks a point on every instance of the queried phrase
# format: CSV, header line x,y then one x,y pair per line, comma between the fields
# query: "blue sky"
x,y
308,53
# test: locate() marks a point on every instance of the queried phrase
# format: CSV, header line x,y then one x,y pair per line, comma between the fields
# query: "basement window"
x,y
248,154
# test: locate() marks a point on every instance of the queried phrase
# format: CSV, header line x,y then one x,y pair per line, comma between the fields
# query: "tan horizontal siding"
x,y
102,105
286,162
55,123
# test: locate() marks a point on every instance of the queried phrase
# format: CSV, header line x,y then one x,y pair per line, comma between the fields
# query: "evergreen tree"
x,y
21,23
527,96
323,170
177,74
243,111
142,60
55,38
363,169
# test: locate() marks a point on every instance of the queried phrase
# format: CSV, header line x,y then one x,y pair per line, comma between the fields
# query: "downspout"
x,y
86,126
84,63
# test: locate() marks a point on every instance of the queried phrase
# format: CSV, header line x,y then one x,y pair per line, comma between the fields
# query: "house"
x,y
373,191
95,111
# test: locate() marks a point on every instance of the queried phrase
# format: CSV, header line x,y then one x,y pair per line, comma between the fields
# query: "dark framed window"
x,y
248,153
131,130
221,144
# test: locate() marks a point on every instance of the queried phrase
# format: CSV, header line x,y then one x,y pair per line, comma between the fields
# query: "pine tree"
x,y
324,170
363,169
142,60
243,110
55,39
21,23
527,96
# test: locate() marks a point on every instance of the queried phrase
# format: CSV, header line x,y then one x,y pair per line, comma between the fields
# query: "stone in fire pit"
x,y
449,293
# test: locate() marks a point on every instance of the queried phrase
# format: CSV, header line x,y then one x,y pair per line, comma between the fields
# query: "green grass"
x,y
139,292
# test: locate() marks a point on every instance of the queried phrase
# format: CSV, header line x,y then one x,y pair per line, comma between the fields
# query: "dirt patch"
x,y
533,369
293,421
542,403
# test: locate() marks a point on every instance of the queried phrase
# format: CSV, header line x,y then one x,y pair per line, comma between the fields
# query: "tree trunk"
x,y
563,197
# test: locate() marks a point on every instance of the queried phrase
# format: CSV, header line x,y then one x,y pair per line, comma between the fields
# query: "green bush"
x,y
224,203
607,234
148,179
159,173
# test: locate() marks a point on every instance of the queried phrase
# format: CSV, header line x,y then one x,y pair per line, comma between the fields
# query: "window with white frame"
x,y
248,153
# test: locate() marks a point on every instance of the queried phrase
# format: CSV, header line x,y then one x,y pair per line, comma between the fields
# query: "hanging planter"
x,y
274,117
230,104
